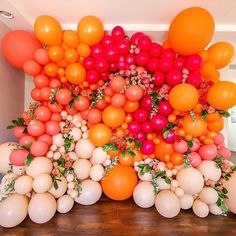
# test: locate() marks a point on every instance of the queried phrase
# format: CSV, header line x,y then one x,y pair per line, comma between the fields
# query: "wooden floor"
x,y
125,218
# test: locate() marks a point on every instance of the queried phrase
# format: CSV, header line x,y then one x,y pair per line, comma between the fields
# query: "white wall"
x,y
11,92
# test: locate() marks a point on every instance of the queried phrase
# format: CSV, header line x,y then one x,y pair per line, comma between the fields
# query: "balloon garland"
x,y
119,115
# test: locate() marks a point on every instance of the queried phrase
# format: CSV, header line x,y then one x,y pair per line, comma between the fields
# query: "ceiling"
x,y
152,16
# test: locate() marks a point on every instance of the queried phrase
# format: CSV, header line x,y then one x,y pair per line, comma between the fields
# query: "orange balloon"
x,y
131,106
162,149
71,55
177,159
119,183
204,55
90,30
48,30
99,135
212,117
166,44
126,159
221,54
183,97
207,69
217,125
194,126
83,50
51,69
222,95
191,31
138,155
113,117
75,73
56,53
70,38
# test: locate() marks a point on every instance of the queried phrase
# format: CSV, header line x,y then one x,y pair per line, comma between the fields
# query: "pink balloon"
x,y
225,152
196,145
194,159
45,138
41,56
52,127
219,139
18,157
39,148
26,140
18,131
208,152
181,146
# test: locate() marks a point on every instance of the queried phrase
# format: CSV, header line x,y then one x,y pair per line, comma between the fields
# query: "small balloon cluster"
x,y
119,115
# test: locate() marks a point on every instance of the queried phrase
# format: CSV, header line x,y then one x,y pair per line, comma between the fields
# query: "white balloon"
x,y
13,210
90,194
65,203
5,151
215,210
146,177
200,209
76,134
99,156
18,170
167,204
162,183
96,172
144,195
62,187
210,170
38,166
208,195
231,187
24,184
82,168
186,202
84,148
190,180
58,140
42,207
42,183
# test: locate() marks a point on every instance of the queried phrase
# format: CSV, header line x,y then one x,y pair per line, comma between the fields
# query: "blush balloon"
x,y
194,159
18,131
45,138
181,146
219,139
52,127
225,152
208,152
196,145
18,157
26,140
36,128
39,148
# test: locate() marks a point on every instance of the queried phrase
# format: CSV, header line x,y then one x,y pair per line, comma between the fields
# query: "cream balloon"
x,y
62,187
190,180
231,187
42,183
42,207
84,148
72,156
186,202
24,184
76,134
208,195
82,168
146,177
76,118
161,183
144,195
38,166
58,140
99,156
13,210
167,204
215,210
90,194
96,172
18,170
210,170
5,151
65,203
200,209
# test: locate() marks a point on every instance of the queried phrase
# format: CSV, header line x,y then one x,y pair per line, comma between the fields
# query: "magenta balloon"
x,y
140,115
148,147
159,122
170,138
134,127
164,108
193,62
208,152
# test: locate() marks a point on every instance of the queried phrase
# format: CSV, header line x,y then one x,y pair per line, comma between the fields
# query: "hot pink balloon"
x,y
194,159
208,152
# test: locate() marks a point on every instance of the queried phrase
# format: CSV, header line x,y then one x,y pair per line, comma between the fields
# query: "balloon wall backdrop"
x,y
124,116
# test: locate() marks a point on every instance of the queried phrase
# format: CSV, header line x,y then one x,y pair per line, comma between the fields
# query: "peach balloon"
x,y
99,156
23,184
186,201
84,148
82,168
42,183
13,210
210,170
96,172
64,204
208,195
200,209
62,187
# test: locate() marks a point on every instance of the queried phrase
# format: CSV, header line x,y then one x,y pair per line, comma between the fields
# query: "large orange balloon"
x,y
90,30
99,135
183,97
19,46
222,95
163,149
48,30
119,183
113,116
221,54
194,126
191,31
75,73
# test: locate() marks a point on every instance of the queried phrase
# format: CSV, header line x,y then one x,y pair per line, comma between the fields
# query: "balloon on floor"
x,y
121,115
